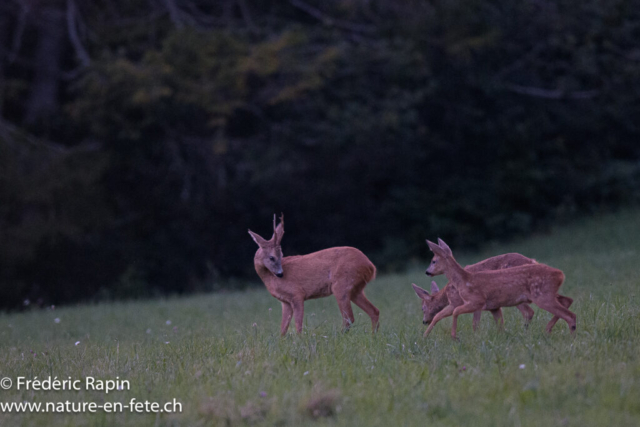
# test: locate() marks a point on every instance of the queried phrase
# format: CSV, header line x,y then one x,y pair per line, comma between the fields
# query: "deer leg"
x,y
553,306
497,316
344,304
287,313
476,319
467,307
298,314
361,301
527,313
445,312
566,303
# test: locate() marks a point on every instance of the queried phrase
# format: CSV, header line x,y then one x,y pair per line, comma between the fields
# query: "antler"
x,y
274,224
278,231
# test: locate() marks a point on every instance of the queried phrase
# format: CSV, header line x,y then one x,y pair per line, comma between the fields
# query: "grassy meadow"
x,y
221,356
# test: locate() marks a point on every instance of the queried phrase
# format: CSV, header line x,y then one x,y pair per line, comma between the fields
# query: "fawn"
x,y
341,271
442,302
489,290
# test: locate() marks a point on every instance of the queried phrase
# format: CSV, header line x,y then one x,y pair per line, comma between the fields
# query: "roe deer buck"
x,y
341,271
448,298
489,290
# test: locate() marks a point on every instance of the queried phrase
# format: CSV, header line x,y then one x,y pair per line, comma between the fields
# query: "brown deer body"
x,y
443,302
342,271
490,290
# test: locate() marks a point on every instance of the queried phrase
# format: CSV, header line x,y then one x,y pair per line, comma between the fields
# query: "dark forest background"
x,y
139,139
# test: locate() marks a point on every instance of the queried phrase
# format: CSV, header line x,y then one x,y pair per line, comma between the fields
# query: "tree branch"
x,y
332,22
72,17
174,13
203,19
551,93
246,15
520,61
19,32
631,55
9,132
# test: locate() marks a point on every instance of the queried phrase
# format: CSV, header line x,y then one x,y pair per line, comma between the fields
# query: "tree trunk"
x,y
43,99
4,49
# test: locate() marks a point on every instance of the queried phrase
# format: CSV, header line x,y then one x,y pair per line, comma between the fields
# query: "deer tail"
x,y
370,274
561,278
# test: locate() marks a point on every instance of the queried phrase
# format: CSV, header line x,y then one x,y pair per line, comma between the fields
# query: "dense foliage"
x,y
140,139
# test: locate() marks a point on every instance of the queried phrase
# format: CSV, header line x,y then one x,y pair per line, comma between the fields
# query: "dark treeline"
x,y
139,139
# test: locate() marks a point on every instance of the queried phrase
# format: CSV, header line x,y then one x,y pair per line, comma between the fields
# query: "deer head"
x,y
430,305
440,253
269,251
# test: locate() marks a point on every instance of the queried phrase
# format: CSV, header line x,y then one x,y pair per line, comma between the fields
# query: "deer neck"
x,y
264,273
441,297
454,272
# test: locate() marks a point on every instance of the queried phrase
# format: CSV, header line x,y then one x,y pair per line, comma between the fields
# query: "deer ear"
x,y
422,293
435,248
434,287
279,230
444,246
256,238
